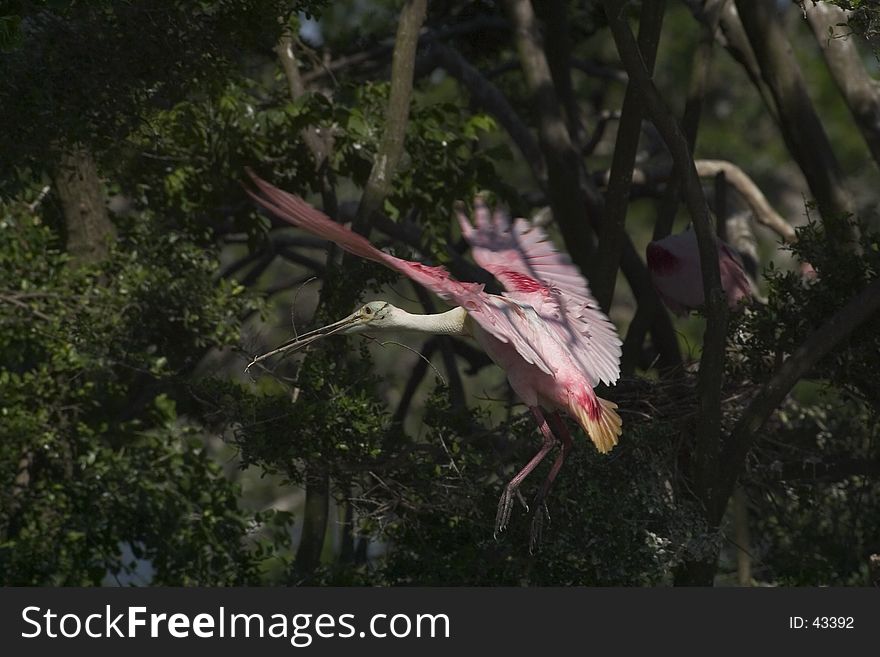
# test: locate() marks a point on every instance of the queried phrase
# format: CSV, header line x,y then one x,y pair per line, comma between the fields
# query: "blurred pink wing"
x,y
533,272
498,316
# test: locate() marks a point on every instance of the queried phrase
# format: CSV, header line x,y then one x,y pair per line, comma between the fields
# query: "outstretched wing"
x,y
497,315
524,260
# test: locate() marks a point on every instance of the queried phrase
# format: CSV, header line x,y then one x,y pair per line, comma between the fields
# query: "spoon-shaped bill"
x,y
306,339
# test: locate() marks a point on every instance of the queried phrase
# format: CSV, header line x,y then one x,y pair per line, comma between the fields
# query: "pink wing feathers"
x,y
498,316
524,260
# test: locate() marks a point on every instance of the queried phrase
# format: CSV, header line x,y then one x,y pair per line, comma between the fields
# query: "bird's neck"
x,y
452,322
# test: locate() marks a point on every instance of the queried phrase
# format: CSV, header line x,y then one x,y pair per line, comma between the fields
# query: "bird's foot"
x,y
542,513
505,506
522,500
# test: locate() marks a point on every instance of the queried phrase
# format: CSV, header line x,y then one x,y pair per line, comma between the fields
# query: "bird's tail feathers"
x,y
600,421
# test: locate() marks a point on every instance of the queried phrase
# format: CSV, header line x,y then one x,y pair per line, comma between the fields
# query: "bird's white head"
x,y
376,315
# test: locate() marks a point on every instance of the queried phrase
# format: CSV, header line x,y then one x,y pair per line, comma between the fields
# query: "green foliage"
x,y
612,521
118,379
106,66
863,19
815,493
797,305
328,411
91,445
816,507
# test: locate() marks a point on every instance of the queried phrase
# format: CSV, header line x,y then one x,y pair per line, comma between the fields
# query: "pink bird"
x,y
546,331
674,263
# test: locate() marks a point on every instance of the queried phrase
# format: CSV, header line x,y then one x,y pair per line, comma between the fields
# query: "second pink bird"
x,y
674,263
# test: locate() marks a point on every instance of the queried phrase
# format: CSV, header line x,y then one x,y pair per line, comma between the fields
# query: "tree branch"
x,y
554,14
828,469
733,38
412,383
391,147
90,233
712,360
668,206
860,91
629,130
565,184
319,147
486,95
764,213
477,25
858,310
801,127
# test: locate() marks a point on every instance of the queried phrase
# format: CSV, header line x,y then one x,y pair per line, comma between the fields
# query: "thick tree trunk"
x,y
90,233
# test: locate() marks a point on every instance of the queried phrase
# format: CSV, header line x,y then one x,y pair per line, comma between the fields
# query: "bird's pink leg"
x,y
505,504
561,432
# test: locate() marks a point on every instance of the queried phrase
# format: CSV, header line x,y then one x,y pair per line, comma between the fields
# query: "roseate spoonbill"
x,y
546,331
674,263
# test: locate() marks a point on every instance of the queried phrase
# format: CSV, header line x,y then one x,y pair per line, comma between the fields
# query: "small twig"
x,y
16,302
42,195
449,454
407,347
293,305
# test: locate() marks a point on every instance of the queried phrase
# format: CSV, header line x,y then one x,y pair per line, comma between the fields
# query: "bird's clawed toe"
x,y
505,506
522,500
542,513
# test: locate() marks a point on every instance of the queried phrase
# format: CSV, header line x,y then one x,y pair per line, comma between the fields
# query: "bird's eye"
x,y
368,310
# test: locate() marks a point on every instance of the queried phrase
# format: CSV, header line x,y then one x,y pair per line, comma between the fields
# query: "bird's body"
x,y
674,263
546,331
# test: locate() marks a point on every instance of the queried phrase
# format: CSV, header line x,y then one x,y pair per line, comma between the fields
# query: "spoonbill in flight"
x,y
546,331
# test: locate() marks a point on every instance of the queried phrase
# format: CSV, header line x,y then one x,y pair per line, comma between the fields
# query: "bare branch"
x,y
380,52
15,300
668,206
557,47
319,147
764,213
653,314
629,130
297,89
799,123
391,147
602,120
712,361
566,177
829,469
751,193
733,38
860,91
418,374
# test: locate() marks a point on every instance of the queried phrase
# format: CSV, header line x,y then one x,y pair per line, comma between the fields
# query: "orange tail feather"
x,y
605,428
